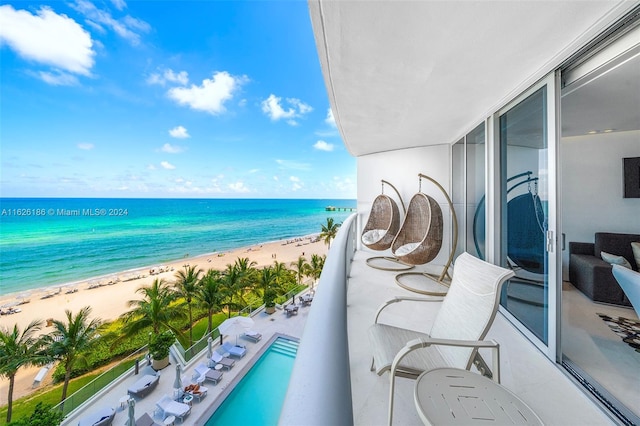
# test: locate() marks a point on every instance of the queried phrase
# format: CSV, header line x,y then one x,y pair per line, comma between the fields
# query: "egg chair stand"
x,y
382,228
420,239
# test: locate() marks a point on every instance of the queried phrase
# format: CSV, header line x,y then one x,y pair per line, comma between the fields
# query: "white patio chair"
x,y
462,322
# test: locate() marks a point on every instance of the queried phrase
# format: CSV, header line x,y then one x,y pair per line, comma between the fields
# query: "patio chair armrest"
x,y
397,299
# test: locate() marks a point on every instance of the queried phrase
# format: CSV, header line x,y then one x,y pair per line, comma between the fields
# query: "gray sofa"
x,y
592,275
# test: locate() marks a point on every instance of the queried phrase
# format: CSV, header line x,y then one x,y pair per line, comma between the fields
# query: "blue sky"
x,y
199,99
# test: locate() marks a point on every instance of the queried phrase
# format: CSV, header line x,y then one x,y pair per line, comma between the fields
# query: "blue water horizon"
x,y
46,242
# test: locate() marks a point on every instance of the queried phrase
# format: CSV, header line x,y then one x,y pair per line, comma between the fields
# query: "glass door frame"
x,y
495,209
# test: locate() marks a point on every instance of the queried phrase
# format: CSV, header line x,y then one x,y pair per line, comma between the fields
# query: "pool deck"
x,y
278,323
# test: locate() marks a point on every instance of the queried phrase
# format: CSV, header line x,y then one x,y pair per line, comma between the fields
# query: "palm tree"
x,y
19,349
282,273
211,293
71,339
187,285
329,231
154,310
246,276
230,279
267,283
301,266
316,265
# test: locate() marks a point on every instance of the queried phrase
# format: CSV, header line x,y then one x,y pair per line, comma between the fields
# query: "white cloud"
x,y
169,76
238,187
211,95
47,38
86,146
179,132
58,78
151,167
119,4
294,179
167,165
171,149
127,27
330,120
273,108
323,146
294,165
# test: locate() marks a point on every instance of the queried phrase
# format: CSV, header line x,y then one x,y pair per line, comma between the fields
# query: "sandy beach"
x,y
108,301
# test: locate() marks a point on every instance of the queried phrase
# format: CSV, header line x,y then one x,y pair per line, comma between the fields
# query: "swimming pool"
x,y
257,399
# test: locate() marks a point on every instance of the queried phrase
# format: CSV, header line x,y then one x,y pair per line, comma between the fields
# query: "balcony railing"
x,y
103,381
324,393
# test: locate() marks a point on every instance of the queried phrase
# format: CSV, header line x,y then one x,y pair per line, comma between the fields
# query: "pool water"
x,y
257,399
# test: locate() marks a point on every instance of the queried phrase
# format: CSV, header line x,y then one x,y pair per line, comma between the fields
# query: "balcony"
x,y
332,383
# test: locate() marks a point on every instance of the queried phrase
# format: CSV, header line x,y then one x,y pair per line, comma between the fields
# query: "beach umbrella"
x,y
235,326
132,412
178,383
209,347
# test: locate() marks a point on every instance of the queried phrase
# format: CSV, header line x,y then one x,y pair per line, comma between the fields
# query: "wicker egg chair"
x,y
383,224
420,238
381,229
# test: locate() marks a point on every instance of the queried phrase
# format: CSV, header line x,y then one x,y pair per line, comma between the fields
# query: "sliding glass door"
x,y
527,138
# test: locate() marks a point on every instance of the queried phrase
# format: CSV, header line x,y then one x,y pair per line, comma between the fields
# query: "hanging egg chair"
x,y
381,229
420,239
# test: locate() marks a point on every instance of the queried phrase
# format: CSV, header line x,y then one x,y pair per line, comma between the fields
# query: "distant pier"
x,y
339,209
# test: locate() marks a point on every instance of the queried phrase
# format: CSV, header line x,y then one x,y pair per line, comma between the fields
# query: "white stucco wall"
x,y
592,187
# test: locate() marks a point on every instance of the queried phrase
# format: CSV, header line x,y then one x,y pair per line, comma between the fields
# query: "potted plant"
x,y
269,300
159,349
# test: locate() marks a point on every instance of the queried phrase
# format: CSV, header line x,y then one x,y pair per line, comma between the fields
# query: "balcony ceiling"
x,y
406,74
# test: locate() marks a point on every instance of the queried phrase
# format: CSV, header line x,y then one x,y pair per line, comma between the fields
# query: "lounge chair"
x,y
462,322
144,386
197,391
146,420
202,373
168,407
253,336
237,351
226,363
103,417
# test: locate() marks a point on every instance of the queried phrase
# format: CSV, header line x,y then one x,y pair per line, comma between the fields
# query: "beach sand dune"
x,y
109,301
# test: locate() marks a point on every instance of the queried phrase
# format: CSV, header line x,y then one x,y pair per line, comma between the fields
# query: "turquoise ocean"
x,y
55,241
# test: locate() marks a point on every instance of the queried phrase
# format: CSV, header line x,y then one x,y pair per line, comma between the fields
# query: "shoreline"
x,y
108,302
108,294
11,297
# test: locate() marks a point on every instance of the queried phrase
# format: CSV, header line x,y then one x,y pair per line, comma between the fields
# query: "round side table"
x,y
449,396
170,421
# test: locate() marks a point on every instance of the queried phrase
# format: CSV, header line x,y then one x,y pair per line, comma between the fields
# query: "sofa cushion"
x,y
615,260
618,244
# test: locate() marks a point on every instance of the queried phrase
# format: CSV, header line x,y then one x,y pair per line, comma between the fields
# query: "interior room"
x,y
598,133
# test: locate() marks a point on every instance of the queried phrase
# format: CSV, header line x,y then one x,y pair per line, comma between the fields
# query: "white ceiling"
x,y
403,74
